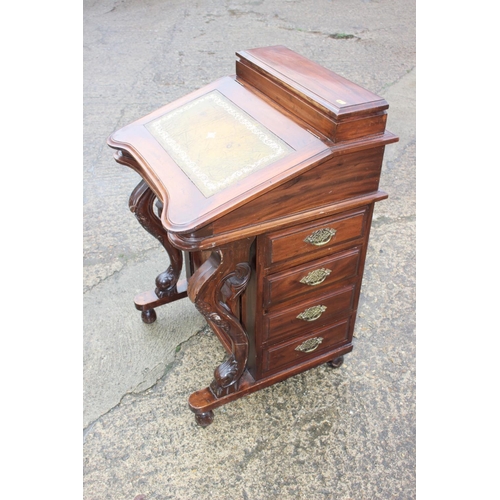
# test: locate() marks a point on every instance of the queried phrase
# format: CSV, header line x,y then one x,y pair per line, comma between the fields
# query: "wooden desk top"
x,y
236,139
212,150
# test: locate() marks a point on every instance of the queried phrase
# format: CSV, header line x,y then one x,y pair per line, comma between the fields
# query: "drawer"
x,y
311,277
315,343
313,239
313,313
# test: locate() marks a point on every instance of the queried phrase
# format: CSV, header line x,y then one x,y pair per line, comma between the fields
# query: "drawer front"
x,y
311,277
314,313
315,343
314,239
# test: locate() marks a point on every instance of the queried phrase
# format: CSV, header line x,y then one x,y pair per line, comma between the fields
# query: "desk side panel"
x,y
336,179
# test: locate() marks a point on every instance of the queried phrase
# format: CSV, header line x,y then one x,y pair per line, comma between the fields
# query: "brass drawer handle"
x,y
312,313
309,345
316,277
321,236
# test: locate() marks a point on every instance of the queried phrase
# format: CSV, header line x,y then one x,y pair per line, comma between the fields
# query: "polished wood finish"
x,y
215,288
342,177
292,319
292,244
274,246
332,105
280,356
186,207
310,278
142,203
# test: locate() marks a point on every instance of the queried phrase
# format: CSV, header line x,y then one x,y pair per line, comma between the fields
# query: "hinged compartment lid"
x,y
335,106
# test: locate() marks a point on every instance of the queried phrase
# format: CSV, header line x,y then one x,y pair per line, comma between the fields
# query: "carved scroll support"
x,y
215,289
168,288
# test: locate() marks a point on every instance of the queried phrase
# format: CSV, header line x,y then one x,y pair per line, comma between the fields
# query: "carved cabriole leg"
x,y
141,203
214,288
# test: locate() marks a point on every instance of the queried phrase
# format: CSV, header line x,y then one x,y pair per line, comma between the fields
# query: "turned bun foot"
x,y
148,316
336,363
204,419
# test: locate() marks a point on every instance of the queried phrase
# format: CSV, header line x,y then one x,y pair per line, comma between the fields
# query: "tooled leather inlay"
x,y
215,142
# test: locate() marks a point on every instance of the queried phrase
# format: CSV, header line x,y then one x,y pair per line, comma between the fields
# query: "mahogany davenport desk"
x,y
264,184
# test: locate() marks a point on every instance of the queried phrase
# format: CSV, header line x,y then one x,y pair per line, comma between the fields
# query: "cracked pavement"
x,y
348,433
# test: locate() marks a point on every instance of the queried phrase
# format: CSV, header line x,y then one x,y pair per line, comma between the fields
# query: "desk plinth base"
x,y
203,402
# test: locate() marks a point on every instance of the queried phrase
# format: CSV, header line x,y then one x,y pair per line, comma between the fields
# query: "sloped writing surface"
x,y
215,142
286,146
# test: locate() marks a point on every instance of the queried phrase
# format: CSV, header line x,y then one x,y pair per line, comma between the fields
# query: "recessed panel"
x,y
215,142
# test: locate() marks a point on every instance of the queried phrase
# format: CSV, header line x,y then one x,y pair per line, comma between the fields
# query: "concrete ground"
x,y
324,434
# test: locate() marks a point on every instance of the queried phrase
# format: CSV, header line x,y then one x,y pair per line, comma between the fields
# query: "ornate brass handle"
x,y
316,277
309,345
312,313
321,236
